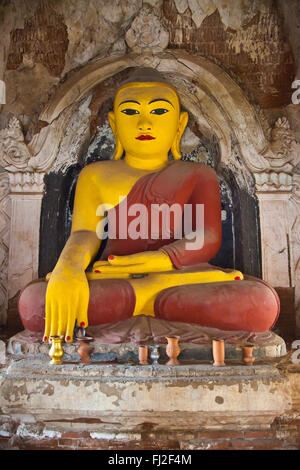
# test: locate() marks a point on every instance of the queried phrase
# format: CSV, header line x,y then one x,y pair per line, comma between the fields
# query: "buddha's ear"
x,y
119,148
175,149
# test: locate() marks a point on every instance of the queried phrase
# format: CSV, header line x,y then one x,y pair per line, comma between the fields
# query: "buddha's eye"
x,y
159,111
130,111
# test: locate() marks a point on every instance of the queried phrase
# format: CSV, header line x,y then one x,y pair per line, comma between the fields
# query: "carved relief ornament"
x,y
14,153
282,156
15,158
146,33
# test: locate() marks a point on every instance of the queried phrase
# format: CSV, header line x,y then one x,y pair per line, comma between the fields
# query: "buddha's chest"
x,y
114,187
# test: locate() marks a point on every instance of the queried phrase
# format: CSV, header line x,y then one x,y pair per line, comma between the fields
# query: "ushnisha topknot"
x,y
144,75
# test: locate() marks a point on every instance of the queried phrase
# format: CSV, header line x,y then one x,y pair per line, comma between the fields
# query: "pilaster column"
x,y
21,192
277,259
26,192
275,188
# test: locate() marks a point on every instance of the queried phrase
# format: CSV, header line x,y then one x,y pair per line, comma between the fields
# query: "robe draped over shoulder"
x,y
182,186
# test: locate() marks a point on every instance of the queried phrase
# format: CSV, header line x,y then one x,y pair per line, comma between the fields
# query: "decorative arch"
x,y
218,104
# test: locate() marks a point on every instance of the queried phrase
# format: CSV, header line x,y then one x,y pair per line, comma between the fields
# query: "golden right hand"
x,y
67,299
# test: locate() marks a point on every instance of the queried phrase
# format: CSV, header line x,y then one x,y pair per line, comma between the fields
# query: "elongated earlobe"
x,y
119,148
175,149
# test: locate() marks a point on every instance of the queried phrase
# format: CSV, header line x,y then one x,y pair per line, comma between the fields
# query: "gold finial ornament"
x,y
56,351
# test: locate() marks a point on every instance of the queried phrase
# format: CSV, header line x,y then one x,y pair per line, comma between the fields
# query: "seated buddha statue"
x,y
150,265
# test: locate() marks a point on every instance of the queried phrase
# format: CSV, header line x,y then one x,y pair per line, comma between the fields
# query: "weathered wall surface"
x,y
256,41
44,40
256,51
291,12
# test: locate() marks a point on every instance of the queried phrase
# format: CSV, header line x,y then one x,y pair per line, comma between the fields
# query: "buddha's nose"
x,y
144,124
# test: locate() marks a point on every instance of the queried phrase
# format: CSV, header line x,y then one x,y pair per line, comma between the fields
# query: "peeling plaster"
x,y
75,136
259,41
234,14
219,400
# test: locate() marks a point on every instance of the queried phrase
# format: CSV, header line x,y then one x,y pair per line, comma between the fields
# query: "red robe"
x,y
178,183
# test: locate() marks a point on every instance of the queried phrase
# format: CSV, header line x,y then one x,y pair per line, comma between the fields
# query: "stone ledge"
x,y
127,395
39,367
25,343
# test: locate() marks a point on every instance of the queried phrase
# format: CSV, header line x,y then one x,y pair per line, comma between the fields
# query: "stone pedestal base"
x,y
115,404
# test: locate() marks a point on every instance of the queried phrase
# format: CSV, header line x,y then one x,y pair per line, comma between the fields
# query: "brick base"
x,y
280,436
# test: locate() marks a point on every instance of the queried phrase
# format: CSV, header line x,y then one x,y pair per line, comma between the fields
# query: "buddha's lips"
x,y
145,137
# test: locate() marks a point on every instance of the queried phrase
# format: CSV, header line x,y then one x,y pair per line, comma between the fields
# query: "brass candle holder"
x,y
56,351
155,354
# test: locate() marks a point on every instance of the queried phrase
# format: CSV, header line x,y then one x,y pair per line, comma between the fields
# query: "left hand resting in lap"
x,y
145,262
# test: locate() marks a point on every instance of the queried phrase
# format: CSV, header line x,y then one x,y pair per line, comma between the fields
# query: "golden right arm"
x,y
67,295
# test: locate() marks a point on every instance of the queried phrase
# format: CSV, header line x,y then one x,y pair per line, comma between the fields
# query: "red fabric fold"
x,y
179,183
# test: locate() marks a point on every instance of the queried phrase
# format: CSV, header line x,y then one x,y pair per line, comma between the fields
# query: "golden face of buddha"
x,y
147,120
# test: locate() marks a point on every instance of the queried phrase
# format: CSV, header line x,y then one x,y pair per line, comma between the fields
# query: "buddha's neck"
x,y
154,162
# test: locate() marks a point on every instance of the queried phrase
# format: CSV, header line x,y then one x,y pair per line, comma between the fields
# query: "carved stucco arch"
x,y
217,103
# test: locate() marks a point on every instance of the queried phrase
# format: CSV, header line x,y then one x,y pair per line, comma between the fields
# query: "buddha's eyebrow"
x,y
161,99
129,101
